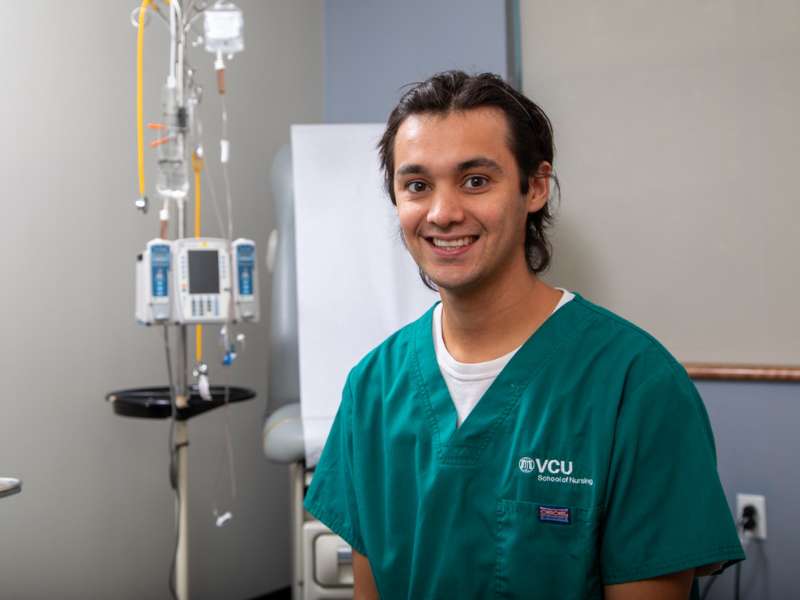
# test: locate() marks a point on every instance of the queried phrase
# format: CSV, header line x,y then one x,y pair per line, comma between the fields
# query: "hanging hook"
x,y
135,17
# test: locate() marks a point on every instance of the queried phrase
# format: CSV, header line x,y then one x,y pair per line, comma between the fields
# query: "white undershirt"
x,y
467,382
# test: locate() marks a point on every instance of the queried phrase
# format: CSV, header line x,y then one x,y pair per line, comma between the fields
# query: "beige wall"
x,y
677,140
95,518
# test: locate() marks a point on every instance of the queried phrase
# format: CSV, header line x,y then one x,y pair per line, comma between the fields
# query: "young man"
x,y
517,441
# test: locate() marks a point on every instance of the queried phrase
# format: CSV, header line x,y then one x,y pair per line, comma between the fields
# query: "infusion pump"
x,y
202,280
196,280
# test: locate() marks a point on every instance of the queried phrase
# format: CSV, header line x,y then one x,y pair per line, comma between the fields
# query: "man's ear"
x,y
539,187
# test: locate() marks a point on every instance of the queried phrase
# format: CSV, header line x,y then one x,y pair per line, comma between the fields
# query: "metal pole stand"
x,y
156,403
182,559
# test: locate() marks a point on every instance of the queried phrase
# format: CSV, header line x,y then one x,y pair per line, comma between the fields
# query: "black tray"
x,y
155,402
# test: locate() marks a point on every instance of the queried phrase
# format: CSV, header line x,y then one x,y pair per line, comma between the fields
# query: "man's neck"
x,y
491,321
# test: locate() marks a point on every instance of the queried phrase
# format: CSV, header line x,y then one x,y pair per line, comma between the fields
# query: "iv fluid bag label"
x,y
159,264
245,259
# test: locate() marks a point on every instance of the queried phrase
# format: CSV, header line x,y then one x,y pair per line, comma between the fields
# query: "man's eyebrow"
x,y
472,163
411,169
480,161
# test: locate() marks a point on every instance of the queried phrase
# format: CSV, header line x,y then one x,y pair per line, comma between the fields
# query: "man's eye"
x,y
475,181
416,186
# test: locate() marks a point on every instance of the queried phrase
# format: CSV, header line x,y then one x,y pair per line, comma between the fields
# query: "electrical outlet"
x,y
760,504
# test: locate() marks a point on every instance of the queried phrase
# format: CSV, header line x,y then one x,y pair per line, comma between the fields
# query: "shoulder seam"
x,y
621,322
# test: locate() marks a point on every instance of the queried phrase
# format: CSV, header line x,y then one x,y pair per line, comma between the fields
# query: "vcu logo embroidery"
x,y
552,470
545,465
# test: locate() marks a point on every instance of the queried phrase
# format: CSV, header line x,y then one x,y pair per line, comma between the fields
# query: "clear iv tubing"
x,y
207,174
197,164
224,118
225,170
222,518
173,10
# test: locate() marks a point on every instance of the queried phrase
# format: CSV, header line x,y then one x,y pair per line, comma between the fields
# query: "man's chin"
x,y
454,283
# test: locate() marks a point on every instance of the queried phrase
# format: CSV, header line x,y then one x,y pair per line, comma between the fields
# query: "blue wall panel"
x,y
758,449
373,47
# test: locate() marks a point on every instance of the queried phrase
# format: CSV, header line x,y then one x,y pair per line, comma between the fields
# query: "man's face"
x,y
458,196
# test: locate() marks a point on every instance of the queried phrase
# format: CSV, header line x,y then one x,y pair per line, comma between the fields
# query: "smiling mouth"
x,y
452,245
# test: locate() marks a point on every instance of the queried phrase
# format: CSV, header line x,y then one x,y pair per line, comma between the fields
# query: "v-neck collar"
x,y
464,445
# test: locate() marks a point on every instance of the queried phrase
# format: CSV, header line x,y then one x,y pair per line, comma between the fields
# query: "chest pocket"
x,y
538,557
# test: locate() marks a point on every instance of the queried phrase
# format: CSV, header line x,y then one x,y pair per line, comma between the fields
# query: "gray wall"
x,y
653,105
95,518
373,47
755,424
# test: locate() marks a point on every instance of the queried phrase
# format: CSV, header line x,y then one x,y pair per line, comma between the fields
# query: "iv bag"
x,y
223,28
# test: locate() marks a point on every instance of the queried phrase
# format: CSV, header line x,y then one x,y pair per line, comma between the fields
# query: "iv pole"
x,y
182,392
181,439
181,445
144,402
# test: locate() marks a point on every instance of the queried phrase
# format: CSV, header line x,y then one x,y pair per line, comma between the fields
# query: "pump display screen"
x,y
203,272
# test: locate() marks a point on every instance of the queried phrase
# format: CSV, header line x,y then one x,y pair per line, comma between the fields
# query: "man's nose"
x,y
445,208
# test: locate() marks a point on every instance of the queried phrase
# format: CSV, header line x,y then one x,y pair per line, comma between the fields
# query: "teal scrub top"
x,y
589,461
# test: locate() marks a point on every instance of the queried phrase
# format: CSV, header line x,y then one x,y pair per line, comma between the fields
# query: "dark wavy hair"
x,y
531,139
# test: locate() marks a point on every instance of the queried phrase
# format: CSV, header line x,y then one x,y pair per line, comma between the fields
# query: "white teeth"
x,y
452,243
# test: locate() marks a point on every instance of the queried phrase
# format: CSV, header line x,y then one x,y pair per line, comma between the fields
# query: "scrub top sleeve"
x,y
331,497
665,510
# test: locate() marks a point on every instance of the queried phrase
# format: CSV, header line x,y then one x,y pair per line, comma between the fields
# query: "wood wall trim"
x,y
737,372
